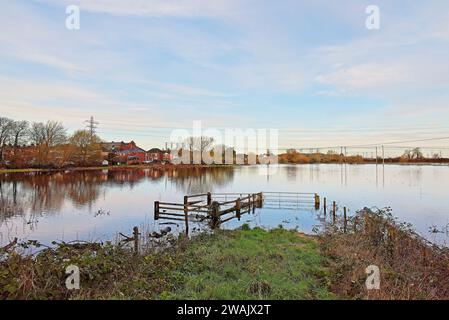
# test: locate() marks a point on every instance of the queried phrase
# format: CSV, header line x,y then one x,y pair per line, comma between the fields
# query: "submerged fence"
x,y
218,208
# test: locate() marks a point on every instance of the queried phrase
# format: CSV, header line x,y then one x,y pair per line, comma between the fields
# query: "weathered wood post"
x,y
325,205
214,210
186,214
260,200
238,206
317,202
345,221
136,240
209,198
254,202
156,210
334,212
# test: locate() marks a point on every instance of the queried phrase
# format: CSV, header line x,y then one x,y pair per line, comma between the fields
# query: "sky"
x,y
310,69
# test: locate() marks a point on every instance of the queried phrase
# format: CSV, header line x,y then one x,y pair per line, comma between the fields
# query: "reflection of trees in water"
x,y
201,180
42,193
291,172
9,206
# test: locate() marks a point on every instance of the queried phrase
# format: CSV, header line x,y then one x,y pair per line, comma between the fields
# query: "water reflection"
x,y
41,193
46,206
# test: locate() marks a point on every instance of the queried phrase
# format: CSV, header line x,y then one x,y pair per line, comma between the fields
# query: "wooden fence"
x,y
218,208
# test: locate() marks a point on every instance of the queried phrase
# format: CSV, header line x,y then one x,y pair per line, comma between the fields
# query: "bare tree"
x,y
204,144
5,134
413,154
49,134
46,136
19,135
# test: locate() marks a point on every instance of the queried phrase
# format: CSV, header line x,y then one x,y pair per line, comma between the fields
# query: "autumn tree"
x,y
87,147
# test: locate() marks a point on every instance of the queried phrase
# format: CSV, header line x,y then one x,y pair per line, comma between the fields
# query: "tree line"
x,y
45,144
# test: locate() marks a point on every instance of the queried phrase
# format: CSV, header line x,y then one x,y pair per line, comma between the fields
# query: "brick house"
x,y
158,155
124,152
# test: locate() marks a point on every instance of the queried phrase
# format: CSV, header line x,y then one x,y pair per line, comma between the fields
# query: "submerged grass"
x,y
238,264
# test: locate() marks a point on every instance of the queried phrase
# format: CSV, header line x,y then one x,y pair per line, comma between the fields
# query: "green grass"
x,y
253,264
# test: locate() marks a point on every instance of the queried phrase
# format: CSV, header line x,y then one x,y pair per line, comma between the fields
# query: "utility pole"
x,y
341,154
376,156
92,126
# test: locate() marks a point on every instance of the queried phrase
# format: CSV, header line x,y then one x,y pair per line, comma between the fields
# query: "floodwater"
x,y
96,205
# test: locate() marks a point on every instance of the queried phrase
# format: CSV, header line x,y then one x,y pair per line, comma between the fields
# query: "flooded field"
x,y
96,205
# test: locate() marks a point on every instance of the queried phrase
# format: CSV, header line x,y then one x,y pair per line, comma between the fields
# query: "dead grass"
x,y
411,268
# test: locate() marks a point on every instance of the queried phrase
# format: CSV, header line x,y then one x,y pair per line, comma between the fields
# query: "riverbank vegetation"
x,y
239,264
412,156
410,267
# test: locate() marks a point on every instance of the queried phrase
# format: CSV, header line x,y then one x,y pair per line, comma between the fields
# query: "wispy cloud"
x,y
227,62
154,8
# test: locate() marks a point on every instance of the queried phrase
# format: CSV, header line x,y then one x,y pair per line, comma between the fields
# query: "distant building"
x,y
124,152
155,155
158,155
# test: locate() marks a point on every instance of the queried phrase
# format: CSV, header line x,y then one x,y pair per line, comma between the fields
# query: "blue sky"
x,y
308,68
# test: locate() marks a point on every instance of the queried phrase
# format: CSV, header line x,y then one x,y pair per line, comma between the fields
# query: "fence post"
x,y
324,205
156,210
209,198
215,215
260,200
317,202
186,214
238,206
345,221
186,217
254,202
136,240
334,211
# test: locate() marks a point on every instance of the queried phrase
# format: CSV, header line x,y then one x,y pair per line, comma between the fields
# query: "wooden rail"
x,y
204,209
218,208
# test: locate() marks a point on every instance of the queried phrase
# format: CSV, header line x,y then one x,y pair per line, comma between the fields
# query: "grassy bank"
x,y
239,264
